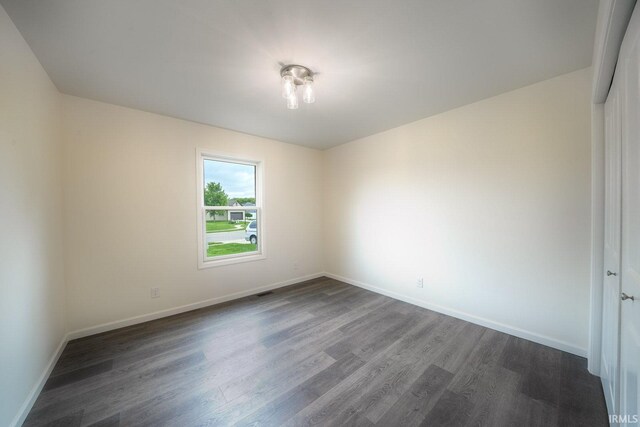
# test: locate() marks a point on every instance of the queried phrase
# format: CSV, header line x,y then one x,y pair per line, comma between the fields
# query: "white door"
x,y
611,290
629,61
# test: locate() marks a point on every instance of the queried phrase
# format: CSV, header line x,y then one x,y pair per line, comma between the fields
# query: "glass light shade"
x,y
292,101
307,92
288,86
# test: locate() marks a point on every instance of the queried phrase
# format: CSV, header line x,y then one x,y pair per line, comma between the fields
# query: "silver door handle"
x,y
625,297
609,273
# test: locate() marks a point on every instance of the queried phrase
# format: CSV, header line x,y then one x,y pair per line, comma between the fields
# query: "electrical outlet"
x,y
295,266
155,292
420,282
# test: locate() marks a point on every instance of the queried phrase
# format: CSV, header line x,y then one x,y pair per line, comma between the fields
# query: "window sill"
x,y
211,263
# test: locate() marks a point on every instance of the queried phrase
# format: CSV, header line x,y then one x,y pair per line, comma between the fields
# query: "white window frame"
x,y
203,260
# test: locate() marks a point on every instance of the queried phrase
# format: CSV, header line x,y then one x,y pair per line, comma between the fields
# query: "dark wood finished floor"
x,y
317,353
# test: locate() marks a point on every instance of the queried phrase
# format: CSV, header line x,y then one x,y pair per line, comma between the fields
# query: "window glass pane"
x,y
231,232
229,184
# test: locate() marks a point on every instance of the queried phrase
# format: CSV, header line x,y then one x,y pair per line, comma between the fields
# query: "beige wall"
x,y
495,209
32,290
130,212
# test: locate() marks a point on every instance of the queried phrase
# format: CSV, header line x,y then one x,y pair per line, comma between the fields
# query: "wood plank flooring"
x,y
317,353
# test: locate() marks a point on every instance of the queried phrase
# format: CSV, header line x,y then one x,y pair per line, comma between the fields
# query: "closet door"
x,y
629,61
611,290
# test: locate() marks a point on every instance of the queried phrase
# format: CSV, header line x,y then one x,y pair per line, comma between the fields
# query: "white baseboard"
x,y
18,420
80,333
511,330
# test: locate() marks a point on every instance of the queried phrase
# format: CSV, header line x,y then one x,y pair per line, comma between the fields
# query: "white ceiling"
x,y
380,63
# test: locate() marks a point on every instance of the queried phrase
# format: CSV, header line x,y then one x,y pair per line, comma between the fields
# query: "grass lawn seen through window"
x,y
220,226
218,249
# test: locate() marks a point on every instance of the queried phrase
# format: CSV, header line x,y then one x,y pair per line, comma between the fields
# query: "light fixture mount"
x,y
298,72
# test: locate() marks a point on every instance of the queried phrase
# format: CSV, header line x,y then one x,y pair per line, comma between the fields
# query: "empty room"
x,y
319,213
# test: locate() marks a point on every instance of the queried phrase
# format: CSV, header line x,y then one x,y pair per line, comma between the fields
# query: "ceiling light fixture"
x,y
292,77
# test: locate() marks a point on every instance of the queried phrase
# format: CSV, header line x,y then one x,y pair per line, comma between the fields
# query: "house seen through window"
x,y
230,209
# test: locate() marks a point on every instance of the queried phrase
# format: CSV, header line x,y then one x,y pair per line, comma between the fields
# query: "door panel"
x,y
611,290
630,254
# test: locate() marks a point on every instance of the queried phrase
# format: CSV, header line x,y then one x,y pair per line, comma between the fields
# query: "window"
x,y
229,210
